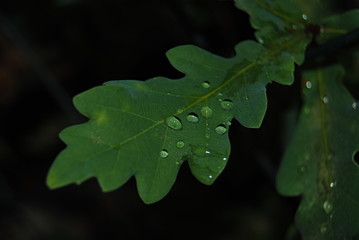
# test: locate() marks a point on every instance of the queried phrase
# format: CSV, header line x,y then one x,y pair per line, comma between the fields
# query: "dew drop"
x,y
163,153
225,159
246,98
206,112
174,123
192,117
260,40
305,17
325,99
227,104
354,105
308,84
206,84
302,169
210,176
220,129
228,123
328,207
332,184
180,144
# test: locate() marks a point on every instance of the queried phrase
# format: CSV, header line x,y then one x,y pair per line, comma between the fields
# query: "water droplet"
x,y
180,144
325,99
227,104
225,159
308,84
305,17
354,105
210,176
207,152
206,84
206,112
228,123
192,117
207,134
302,168
163,153
174,123
260,40
332,184
246,98
220,129
327,206
323,229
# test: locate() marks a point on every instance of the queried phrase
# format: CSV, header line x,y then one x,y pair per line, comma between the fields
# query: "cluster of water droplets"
x,y
205,112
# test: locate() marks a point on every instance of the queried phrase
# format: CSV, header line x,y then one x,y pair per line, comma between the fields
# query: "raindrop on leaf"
x,y
227,104
308,84
206,84
174,123
180,144
206,112
192,117
325,99
220,129
354,105
163,153
327,206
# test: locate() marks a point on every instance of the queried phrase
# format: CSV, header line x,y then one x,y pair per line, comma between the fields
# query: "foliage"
x,y
149,129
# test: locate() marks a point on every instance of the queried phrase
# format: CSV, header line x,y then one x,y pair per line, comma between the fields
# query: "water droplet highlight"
x,y
206,84
210,176
302,169
192,117
206,112
332,184
163,154
227,104
174,123
325,99
327,207
180,144
308,84
220,129
354,105
228,123
225,159
305,17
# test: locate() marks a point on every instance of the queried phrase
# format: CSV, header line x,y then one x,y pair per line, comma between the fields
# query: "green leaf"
x,y
337,25
319,162
277,22
148,129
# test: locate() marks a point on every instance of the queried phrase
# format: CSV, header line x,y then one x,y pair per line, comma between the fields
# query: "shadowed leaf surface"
x,y
319,163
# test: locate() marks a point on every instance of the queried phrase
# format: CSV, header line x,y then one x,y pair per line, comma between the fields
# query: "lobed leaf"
x,y
148,129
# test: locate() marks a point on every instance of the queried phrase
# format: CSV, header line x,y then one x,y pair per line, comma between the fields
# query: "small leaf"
x,y
319,162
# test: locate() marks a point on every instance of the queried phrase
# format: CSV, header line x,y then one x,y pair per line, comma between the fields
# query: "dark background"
x,y
51,50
